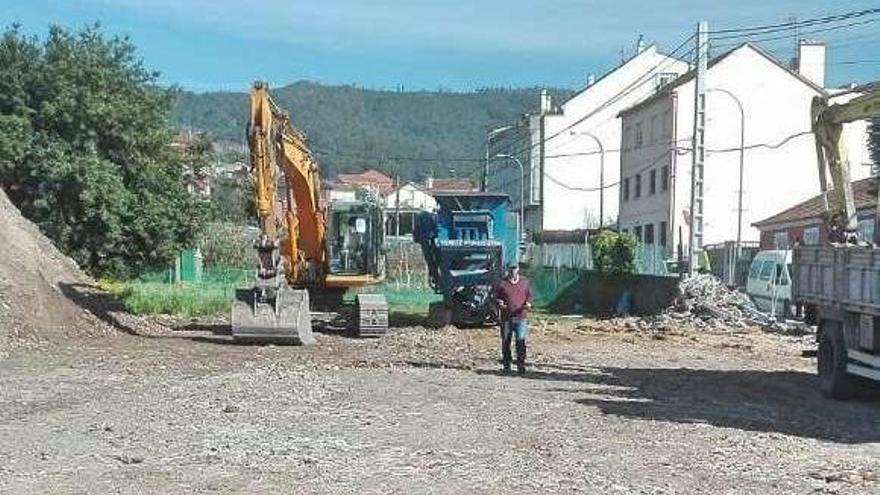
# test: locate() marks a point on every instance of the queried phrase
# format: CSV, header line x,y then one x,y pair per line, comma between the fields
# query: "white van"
x,y
769,282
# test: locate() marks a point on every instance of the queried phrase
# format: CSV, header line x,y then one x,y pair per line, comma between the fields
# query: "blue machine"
x,y
466,244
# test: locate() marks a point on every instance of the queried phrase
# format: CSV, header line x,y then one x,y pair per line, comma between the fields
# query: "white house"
x,y
403,204
561,148
779,169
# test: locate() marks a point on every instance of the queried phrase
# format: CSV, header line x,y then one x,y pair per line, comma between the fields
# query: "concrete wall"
x,y
585,292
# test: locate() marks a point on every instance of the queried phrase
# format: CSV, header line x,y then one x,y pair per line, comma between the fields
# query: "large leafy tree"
x,y
85,150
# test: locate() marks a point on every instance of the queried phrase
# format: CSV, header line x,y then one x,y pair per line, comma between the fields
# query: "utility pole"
x,y
397,209
699,146
490,134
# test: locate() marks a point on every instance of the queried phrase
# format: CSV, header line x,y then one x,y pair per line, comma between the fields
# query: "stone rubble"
x,y
705,303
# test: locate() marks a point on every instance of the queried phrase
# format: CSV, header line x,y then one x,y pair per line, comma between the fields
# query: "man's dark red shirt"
x,y
515,296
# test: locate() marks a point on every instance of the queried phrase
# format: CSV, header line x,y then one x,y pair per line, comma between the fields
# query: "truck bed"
x,y
844,277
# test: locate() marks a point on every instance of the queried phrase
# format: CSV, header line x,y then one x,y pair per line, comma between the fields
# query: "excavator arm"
x,y
276,146
827,123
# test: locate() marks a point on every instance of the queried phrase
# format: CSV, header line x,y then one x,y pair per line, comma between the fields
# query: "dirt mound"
x,y
35,281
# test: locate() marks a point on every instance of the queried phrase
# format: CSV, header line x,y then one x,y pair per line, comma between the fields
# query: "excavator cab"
x,y
354,239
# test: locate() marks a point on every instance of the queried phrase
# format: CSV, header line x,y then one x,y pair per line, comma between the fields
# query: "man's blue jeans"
x,y
518,329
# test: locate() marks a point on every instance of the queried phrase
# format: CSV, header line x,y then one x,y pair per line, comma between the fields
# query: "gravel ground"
x,y
602,410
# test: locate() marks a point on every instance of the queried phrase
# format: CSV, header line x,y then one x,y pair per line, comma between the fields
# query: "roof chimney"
x,y
640,44
546,103
591,79
811,61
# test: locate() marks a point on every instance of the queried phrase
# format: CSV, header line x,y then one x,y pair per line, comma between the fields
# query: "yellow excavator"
x,y
827,125
310,251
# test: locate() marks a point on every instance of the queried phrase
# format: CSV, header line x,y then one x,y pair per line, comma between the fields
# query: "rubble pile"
x,y
705,303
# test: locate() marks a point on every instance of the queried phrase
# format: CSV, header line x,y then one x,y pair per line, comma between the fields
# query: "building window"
x,y
652,182
639,135
780,240
649,233
664,178
662,234
865,230
626,189
667,124
627,138
811,236
637,232
664,78
638,185
653,130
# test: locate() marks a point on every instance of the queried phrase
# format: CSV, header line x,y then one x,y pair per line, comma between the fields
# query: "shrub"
x,y
613,252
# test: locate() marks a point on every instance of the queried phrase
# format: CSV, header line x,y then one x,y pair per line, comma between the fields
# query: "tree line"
x,y
351,129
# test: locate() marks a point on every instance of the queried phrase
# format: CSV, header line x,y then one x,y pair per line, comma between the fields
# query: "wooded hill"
x,y
351,129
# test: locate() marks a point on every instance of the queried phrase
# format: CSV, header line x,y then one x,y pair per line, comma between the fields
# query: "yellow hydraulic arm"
x,y
828,120
275,145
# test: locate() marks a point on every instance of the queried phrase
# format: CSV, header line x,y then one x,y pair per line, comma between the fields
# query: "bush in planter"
x,y
613,252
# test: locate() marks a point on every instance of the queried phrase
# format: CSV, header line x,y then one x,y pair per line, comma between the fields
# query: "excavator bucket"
x,y
284,319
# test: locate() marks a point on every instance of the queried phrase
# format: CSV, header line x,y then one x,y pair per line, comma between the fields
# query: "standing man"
x,y
514,297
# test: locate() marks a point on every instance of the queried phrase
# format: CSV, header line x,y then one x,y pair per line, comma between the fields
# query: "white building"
x,y
403,205
560,147
780,167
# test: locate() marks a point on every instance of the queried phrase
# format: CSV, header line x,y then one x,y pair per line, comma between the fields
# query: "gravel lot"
x,y
603,410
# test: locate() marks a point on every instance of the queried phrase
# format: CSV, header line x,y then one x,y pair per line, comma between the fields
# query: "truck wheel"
x,y
834,382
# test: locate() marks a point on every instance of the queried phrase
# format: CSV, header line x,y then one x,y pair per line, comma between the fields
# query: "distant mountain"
x,y
351,129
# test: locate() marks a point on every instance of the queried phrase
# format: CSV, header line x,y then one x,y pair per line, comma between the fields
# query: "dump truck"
x,y
838,284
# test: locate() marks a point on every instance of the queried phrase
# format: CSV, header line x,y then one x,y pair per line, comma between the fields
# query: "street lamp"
x,y
489,135
522,180
601,174
742,149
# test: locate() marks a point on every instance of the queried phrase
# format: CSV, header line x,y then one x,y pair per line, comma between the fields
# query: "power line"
x,y
640,81
791,25
800,33
679,151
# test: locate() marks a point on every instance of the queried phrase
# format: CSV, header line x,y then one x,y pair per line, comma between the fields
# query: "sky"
x,y
458,45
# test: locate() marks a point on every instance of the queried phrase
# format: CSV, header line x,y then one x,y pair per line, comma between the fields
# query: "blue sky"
x,y
452,44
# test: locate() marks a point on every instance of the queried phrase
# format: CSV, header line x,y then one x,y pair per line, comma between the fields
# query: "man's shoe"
x,y
520,369
505,369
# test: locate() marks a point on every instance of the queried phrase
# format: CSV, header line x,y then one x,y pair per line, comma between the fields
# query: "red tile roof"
x,y
368,178
864,193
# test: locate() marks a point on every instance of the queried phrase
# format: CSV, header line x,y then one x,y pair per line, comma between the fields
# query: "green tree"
x,y
613,252
85,150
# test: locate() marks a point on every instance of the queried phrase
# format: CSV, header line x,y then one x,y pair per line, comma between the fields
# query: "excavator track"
x,y
283,319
